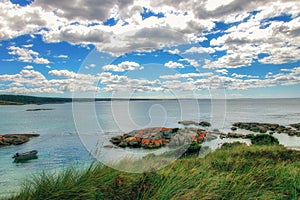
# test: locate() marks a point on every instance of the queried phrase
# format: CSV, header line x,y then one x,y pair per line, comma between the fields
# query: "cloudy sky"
x,y
161,48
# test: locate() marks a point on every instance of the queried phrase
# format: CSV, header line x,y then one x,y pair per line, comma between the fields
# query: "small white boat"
x,y
25,156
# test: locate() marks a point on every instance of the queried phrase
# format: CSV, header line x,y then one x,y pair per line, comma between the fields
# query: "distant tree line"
x,y
23,99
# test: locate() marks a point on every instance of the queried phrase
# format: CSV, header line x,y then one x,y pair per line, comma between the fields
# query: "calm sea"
x,y
60,146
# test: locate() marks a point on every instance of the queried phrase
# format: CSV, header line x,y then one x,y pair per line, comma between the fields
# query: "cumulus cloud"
x,y
191,62
27,55
87,10
172,64
28,67
174,51
243,76
200,50
16,20
188,75
222,71
123,66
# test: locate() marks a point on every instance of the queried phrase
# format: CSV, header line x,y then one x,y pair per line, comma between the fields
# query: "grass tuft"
x,y
235,171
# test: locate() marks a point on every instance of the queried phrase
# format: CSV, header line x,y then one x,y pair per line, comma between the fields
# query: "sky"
x,y
151,49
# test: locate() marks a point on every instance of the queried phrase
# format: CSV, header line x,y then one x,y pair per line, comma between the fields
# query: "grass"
x,y
234,171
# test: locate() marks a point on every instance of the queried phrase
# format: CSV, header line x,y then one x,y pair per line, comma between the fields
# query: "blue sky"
x,y
202,49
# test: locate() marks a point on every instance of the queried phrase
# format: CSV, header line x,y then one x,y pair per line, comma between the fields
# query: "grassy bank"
x,y
232,172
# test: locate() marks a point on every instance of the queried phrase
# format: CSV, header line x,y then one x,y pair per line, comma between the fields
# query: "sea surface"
x,y
65,129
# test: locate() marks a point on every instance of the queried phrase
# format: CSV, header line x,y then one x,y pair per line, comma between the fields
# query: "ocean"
x,y
69,132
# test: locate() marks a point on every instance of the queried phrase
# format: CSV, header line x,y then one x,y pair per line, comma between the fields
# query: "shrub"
x,y
264,139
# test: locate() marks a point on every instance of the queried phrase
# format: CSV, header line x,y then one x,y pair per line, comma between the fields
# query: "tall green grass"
x,y
232,172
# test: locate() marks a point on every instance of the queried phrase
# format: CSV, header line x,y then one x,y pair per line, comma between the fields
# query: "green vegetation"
x,y
10,103
234,171
22,99
264,139
6,99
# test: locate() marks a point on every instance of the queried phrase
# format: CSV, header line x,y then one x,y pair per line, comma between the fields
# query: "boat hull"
x,y
25,156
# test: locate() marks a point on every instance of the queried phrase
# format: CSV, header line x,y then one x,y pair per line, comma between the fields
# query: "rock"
x,y
262,129
109,146
223,135
39,109
233,128
292,132
132,142
15,139
116,140
157,137
254,129
236,135
187,123
122,144
204,124
265,127
296,126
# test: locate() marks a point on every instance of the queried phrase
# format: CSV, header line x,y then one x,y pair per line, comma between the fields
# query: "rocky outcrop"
x,y
293,129
296,126
15,139
188,122
157,137
236,135
204,123
39,109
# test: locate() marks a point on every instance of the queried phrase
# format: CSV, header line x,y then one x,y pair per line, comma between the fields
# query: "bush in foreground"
x,y
264,139
232,172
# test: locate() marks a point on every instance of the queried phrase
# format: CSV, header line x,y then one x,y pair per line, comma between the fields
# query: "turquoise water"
x,y
60,146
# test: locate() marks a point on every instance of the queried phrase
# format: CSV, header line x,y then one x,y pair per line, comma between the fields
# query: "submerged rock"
x,y
268,127
204,123
15,139
296,126
187,123
39,109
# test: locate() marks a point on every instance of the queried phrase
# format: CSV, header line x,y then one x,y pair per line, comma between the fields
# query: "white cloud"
x,y
279,40
27,45
222,71
174,51
172,64
243,76
28,67
27,55
92,65
188,75
62,73
16,20
85,10
41,61
200,50
191,62
62,56
123,66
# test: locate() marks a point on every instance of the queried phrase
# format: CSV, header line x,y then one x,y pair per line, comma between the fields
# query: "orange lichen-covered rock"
x,y
156,137
165,129
202,134
145,141
195,139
